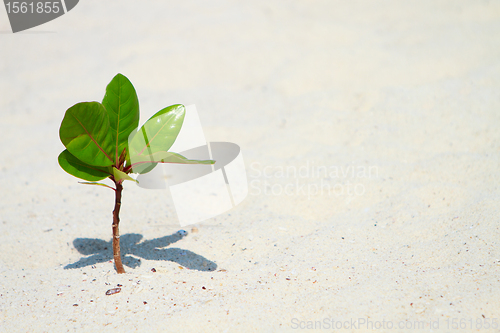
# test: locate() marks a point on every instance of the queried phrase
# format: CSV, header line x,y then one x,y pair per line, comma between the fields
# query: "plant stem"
x,y
116,232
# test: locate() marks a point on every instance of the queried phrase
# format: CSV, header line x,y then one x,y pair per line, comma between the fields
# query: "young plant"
x,y
102,142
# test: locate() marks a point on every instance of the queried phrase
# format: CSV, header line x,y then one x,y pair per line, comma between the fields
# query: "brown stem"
x,y
116,232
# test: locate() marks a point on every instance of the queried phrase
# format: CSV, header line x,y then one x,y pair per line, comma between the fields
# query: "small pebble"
x,y
113,291
182,232
153,270
203,288
194,230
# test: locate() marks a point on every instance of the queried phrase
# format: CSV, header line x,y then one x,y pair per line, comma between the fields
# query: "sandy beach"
x,y
369,132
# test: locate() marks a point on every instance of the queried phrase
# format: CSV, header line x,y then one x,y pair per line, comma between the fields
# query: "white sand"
x,y
410,89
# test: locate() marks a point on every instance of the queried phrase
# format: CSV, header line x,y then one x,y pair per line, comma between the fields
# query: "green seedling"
x,y
102,141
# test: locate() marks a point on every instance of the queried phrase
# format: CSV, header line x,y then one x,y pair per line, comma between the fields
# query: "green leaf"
x,y
77,168
122,107
94,183
143,168
146,163
158,133
169,157
119,175
85,133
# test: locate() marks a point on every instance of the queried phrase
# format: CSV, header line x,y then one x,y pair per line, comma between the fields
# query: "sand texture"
x,y
370,135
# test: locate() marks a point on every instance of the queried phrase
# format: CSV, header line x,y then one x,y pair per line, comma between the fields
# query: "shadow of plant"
x,y
99,251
